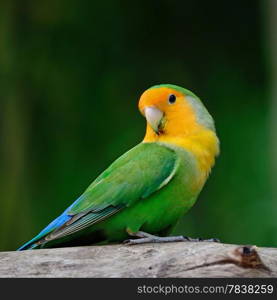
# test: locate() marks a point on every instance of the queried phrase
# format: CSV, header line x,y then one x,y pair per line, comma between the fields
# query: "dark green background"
x,y
71,73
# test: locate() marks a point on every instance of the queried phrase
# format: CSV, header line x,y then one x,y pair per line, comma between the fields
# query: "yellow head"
x,y
176,116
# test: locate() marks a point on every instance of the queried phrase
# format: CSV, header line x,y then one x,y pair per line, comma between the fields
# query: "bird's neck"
x,y
201,142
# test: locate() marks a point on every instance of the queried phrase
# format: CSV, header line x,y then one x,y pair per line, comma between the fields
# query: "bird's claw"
x,y
148,238
127,242
130,242
188,239
215,240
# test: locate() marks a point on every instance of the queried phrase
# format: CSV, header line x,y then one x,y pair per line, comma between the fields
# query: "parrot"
x,y
143,194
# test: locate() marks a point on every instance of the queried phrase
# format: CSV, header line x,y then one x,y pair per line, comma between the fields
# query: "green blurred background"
x,y
71,73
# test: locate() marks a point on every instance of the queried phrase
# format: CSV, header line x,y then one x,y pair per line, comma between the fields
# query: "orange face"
x,y
178,115
160,98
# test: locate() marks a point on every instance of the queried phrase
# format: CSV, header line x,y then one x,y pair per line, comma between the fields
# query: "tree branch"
x,y
180,259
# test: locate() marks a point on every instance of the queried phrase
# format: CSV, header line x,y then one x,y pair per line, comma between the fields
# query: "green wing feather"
x,y
133,177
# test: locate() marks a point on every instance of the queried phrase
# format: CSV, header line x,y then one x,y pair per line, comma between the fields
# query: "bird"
x,y
143,194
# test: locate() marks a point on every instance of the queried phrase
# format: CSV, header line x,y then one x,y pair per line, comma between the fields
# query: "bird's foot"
x,y
144,237
188,239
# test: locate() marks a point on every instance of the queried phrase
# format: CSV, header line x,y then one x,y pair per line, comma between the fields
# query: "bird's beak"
x,y
154,117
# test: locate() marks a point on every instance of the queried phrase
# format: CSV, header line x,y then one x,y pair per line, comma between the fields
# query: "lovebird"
x,y
141,196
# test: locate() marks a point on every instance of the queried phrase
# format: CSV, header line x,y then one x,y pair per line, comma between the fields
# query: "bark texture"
x,y
181,259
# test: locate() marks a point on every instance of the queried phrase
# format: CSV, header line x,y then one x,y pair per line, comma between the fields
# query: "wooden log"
x,y
180,259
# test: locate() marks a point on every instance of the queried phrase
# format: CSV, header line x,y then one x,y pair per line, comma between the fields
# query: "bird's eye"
x,y
172,99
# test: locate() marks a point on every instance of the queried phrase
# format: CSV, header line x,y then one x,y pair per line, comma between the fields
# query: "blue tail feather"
x,y
32,244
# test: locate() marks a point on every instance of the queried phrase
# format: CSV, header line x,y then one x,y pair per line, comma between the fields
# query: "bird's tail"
x,y
35,243
29,245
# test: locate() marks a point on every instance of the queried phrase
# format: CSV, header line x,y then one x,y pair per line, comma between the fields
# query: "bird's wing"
x,y
134,176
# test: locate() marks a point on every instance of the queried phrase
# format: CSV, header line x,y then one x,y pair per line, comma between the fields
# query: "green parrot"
x,y
141,196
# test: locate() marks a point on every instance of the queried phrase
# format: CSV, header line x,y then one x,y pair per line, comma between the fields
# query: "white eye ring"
x,y
171,99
